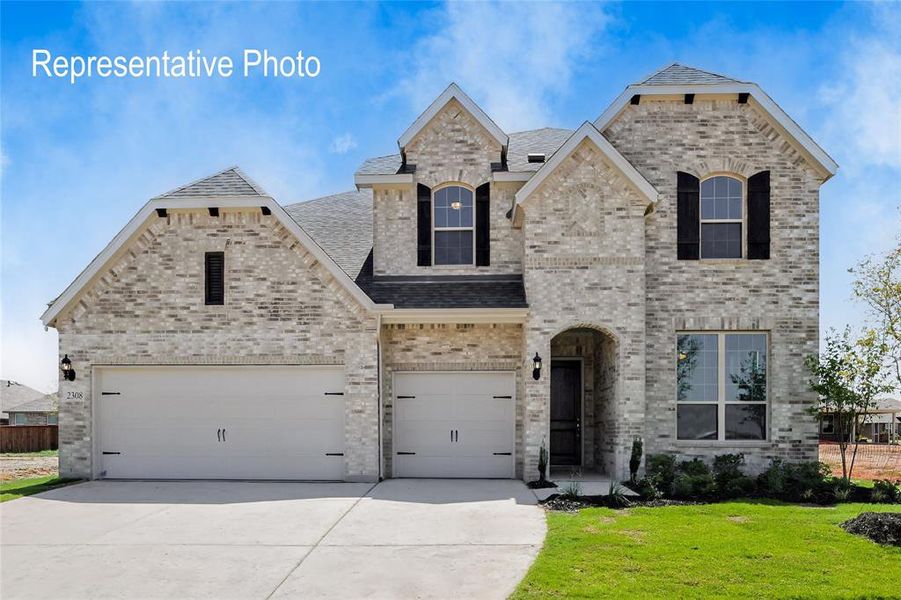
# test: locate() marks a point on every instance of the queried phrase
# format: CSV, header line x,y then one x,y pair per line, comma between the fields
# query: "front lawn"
x,y
730,550
10,490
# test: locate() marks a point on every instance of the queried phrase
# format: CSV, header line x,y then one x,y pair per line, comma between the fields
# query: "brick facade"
x,y
281,308
600,271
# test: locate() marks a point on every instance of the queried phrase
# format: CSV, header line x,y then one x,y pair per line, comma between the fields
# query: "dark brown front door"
x,y
566,412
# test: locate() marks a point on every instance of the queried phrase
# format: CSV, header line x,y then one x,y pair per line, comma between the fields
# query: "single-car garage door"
x,y
228,422
454,425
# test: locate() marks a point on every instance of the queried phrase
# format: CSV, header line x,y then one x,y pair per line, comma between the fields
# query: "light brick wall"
x,y
584,267
452,147
779,295
282,307
449,347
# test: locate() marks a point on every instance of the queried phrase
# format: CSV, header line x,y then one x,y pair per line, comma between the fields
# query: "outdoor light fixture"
x,y
536,367
66,365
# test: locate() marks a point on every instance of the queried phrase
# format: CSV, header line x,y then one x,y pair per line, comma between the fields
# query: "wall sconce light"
x,y
536,367
66,365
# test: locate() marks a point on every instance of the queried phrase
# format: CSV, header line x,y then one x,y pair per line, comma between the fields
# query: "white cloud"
x,y
867,97
343,144
511,58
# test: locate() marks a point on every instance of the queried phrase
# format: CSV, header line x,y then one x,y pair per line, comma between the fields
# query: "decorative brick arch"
x,y
722,165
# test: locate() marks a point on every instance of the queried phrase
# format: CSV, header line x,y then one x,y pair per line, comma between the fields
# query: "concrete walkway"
x,y
398,539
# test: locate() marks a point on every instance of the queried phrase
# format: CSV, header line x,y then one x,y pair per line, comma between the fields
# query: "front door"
x,y
566,412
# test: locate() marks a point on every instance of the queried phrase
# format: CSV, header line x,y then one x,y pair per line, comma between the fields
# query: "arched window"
x,y
722,224
453,218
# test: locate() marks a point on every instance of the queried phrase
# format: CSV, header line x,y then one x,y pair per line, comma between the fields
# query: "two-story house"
x,y
481,294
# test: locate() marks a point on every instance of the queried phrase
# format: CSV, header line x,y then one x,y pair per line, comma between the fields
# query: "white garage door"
x,y
220,422
453,425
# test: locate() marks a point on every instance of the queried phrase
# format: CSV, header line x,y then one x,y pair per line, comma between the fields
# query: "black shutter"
x,y
483,225
423,226
759,216
688,217
214,278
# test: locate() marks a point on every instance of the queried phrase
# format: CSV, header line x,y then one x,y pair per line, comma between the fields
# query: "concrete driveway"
x,y
178,539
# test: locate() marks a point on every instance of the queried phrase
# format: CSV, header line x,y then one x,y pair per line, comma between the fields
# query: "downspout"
x,y
378,347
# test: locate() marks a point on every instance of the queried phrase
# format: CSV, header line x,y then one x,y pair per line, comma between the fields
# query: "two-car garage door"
x,y
229,422
454,425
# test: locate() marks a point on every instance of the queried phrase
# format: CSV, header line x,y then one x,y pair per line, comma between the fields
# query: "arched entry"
x,y
583,385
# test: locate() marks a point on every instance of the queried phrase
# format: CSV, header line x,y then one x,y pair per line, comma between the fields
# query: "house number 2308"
x,y
74,395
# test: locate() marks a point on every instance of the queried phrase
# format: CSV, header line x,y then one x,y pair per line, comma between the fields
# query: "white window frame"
x,y
721,403
435,228
17,416
55,419
743,220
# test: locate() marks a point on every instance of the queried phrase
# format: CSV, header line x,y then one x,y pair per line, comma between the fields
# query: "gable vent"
x,y
536,157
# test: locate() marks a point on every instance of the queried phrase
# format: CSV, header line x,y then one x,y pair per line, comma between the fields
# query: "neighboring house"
x,y
653,273
882,424
23,405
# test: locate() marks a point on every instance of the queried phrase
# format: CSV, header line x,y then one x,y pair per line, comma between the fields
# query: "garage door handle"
x,y
502,453
223,434
503,397
219,434
406,397
406,453
112,453
334,454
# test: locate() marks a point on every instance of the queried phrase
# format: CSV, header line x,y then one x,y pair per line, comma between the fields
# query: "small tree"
x,y
635,459
877,281
847,377
542,463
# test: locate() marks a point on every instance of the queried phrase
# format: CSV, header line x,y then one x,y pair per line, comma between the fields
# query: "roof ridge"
x,y
240,173
677,65
233,168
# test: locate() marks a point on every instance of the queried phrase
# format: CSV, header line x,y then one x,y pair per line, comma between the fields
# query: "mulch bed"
x,y
882,528
565,504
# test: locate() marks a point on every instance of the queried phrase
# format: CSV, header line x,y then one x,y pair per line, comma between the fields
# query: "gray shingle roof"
x,y
380,165
46,403
523,143
341,224
13,394
445,291
676,74
229,182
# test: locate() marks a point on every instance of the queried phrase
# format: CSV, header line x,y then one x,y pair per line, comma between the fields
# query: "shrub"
x,y
661,469
542,463
648,488
797,481
635,459
886,491
572,490
694,467
616,498
772,481
739,487
694,487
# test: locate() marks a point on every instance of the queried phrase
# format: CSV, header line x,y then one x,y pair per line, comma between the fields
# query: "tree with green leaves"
x,y
848,376
877,282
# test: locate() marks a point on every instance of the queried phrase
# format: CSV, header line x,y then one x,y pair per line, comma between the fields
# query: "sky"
x,y
78,161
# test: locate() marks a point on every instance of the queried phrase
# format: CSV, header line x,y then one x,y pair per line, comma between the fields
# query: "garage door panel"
x,y
477,407
167,422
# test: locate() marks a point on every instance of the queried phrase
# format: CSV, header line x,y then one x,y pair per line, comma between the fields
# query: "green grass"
x,y
20,454
10,490
729,550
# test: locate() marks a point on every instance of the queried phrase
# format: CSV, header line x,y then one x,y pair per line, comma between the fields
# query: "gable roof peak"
x,y
231,181
453,92
677,73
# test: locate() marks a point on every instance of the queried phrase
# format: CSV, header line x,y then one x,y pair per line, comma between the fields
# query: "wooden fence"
x,y
28,438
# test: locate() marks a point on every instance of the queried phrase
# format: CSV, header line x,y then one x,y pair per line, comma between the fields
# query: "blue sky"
x,y
78,161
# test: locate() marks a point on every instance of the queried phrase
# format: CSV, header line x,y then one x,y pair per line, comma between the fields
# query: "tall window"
x,y
454,239
721,217
721,386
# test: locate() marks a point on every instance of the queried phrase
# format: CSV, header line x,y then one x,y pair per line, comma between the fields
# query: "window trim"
x,y
17,416
54,417
744,215
435,228
721,401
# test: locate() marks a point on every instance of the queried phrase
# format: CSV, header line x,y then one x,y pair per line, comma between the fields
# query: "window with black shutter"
x,y
688,232
759,216
214,278
483,225
423,225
